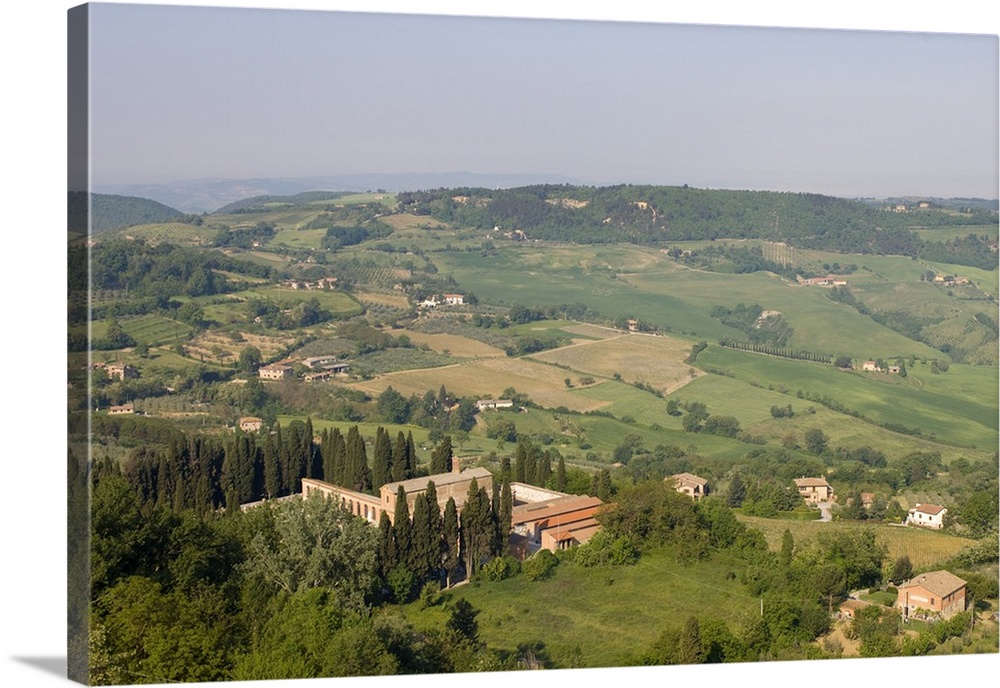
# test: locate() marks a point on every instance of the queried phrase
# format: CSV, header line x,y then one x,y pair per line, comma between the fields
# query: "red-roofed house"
x,y
938,593
927,515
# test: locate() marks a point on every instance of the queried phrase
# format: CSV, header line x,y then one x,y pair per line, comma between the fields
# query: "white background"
x,y
33,248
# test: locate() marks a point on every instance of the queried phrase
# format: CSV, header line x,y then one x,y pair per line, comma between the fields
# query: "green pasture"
x,y
985,280
299,238
598,617
386,199
337,302
945,233
156,330
927,549
962,412
623,281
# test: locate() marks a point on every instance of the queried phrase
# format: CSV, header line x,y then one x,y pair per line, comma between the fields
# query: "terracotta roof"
x,y
932,509
811,482
689,478
941,583
419,484
552,508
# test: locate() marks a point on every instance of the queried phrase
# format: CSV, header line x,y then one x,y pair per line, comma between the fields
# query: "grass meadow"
x,y
597,617
926,549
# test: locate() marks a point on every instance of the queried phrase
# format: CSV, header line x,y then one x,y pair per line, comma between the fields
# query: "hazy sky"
x,y
182,92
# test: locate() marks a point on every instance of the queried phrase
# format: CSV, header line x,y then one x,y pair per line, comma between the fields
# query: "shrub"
x,y
539,565
499,568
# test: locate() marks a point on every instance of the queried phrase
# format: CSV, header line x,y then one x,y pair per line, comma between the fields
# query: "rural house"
x,y
122,409
454,299
121,371
690,484
938,593
484,404
927,516
274,372
250,424
814,490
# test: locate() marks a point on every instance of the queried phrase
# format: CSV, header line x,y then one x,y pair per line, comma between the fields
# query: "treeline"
x,y
977,251
791,354
207,473
650,214
165,270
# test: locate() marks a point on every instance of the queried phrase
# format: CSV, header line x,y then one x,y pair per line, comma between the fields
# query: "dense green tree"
x,y
689,650
451,536
381,459
561,475
816,441
441,457
316,543
403,528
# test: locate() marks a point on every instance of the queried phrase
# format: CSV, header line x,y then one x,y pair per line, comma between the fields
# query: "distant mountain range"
x,y
210,194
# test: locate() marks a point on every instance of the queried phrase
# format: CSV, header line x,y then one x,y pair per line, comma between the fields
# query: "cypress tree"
x,y
451,539
411,456
381,459
388,556
338,458
403,529
469,522
441,457
506,514
423,548
505,467
358,476
531,466
545,469
399,460
435,526
325,455
272,469
520,459
308,451
561,475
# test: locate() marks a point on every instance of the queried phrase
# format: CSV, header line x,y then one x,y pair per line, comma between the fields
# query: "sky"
x,y
181,93
33,52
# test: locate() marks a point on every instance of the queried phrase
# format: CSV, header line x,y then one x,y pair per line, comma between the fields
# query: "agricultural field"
x,y
962,412
656,361
177,233
925,548
453,345
225,349
484,378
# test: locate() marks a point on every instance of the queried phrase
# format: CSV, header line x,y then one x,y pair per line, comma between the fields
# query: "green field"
x,y
961,410
598,617
926,548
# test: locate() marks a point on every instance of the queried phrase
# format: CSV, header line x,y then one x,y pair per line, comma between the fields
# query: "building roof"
x,y
439,479
689,479
930,509
811,482
941,583
552,508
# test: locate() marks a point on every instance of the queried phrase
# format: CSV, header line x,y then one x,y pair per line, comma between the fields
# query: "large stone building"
x,y
541,518
446,485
